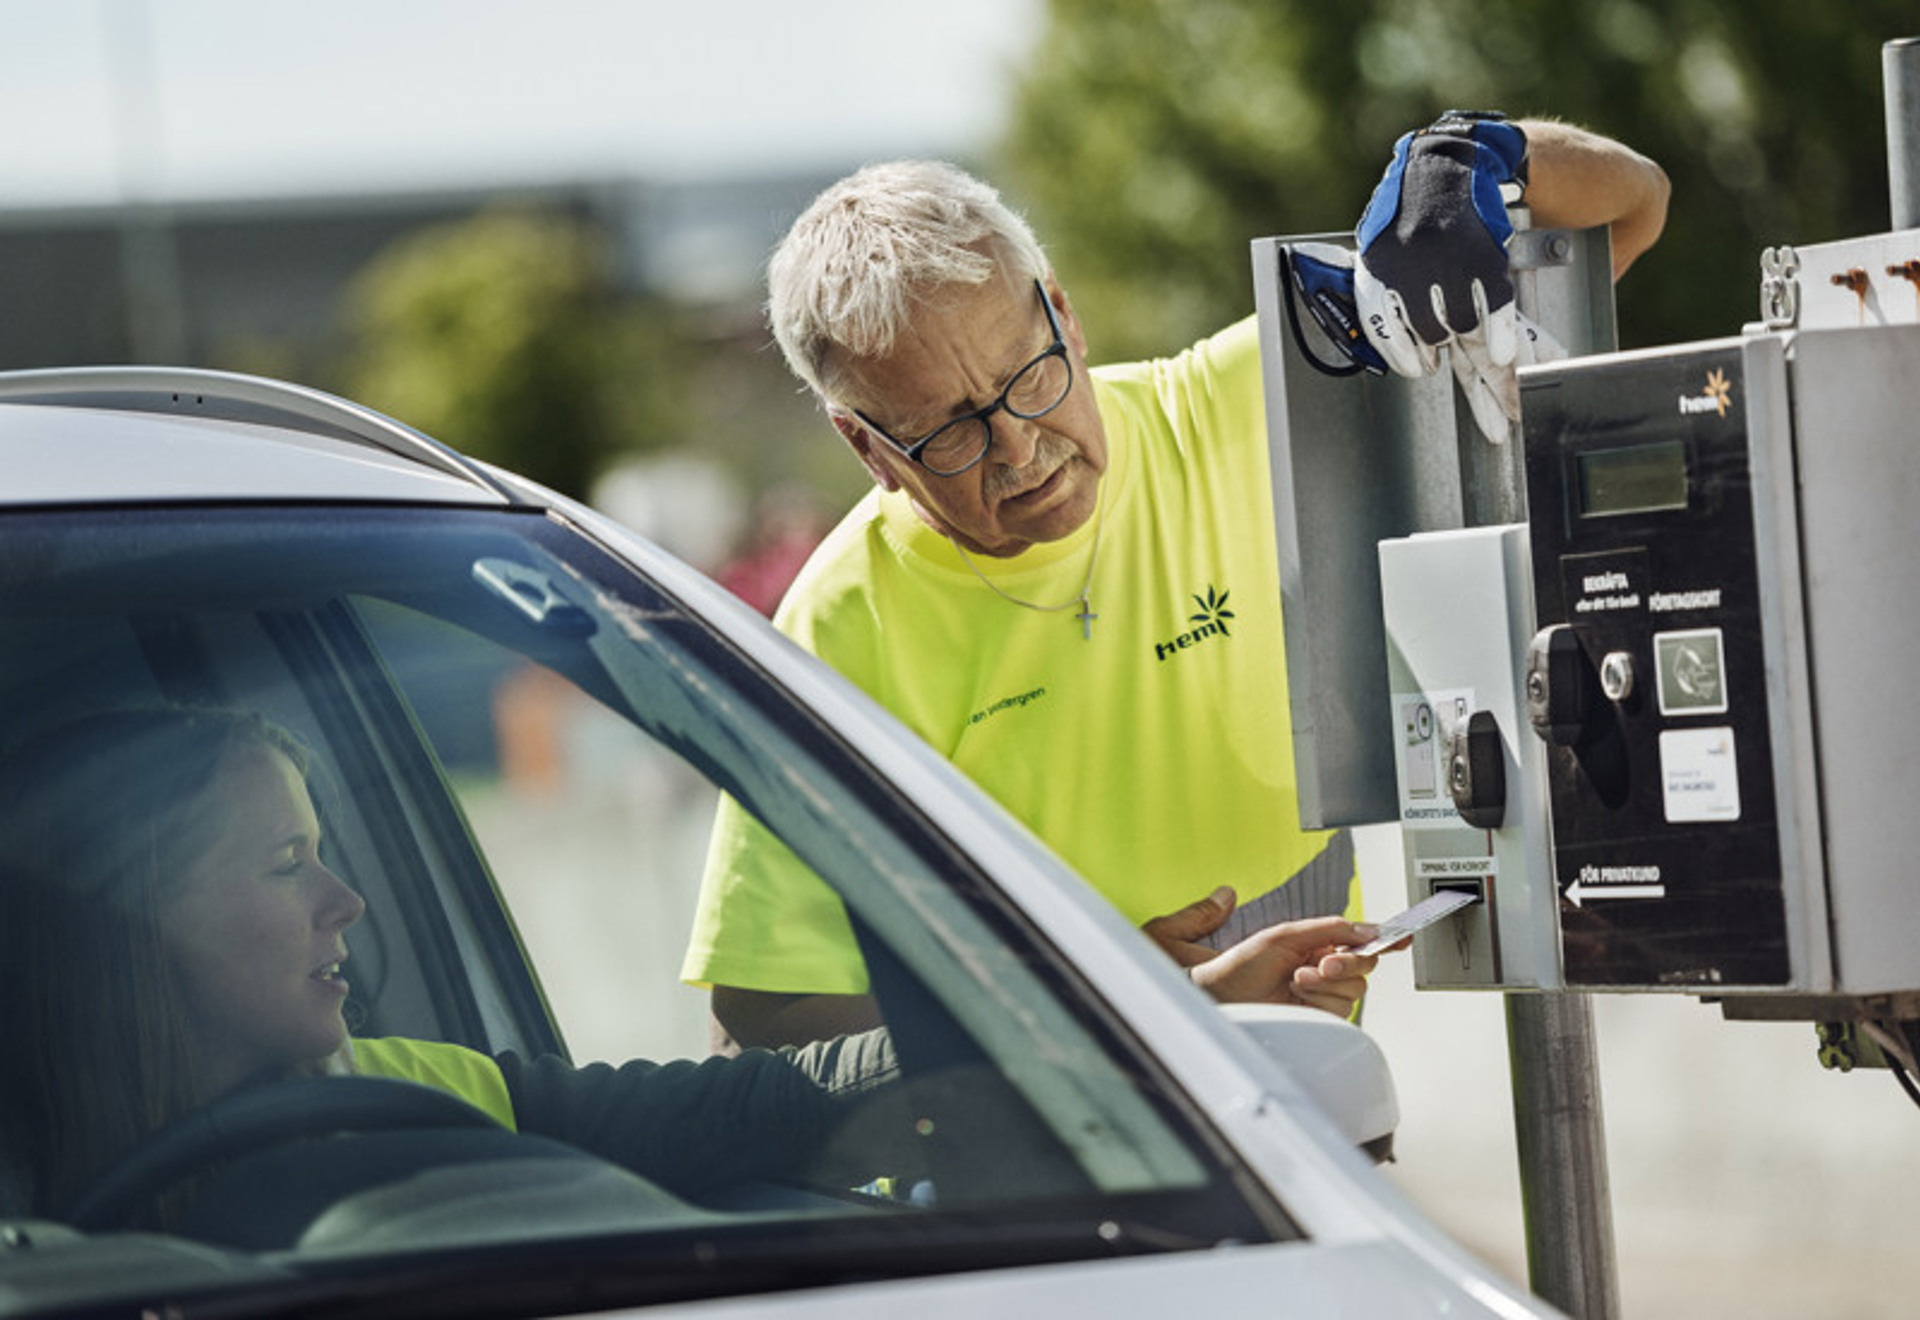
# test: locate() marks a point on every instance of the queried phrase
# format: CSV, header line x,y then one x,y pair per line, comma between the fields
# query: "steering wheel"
x,y
261,1117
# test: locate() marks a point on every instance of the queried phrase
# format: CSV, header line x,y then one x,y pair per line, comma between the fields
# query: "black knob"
x,y
1561,685
1477,771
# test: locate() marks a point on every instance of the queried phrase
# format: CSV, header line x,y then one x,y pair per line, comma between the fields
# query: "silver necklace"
x,y
1086,616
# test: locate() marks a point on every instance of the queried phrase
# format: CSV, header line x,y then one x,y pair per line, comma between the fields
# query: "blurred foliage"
x,y
751,414
1151,140
504,335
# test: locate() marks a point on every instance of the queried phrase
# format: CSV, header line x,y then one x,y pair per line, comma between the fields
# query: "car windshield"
x,y
500,748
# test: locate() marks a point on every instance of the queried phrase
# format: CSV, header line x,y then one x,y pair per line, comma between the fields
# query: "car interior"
x,y
518,742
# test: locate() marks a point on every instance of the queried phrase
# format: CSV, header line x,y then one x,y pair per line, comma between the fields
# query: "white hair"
x,y
847,275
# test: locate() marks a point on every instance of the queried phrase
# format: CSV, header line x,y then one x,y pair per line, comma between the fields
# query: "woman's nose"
x,y
341,904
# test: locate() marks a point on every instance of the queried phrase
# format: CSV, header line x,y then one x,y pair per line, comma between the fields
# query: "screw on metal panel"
x,y
1616,675
1856,279
1536,249
1852,278
1910,272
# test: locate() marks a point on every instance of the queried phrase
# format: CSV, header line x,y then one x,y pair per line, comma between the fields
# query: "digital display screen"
x,y
1636,479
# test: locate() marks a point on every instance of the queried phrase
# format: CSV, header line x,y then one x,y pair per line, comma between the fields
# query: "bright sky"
x,y
180,99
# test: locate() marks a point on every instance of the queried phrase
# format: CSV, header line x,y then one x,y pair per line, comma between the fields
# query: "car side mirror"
x,y
1335,1062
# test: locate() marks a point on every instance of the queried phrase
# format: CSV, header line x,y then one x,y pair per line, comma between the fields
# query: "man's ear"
x,y
1070,326
866,449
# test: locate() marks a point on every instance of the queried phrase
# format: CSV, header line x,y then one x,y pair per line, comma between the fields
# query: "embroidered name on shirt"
x,y
1006,703
1211,617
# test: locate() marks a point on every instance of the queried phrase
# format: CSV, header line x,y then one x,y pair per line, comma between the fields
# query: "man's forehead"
x,y
956,341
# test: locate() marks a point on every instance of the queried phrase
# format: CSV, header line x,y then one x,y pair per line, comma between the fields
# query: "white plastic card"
x,y
1437,906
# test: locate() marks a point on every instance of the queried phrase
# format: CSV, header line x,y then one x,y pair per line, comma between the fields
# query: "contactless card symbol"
x,y
1692,672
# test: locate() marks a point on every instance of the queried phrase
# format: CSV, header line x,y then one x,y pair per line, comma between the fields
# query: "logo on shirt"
x,y
1210,620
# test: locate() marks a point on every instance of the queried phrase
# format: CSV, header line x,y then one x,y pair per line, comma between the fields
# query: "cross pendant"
x,y
1086,617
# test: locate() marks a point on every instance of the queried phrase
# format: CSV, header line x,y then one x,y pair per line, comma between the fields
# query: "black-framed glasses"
x,y
1035,390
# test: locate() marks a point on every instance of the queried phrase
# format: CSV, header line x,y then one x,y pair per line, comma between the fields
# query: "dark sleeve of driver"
x,y
689,1125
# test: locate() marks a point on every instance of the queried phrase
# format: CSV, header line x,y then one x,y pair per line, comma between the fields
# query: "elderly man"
x,y
1066,581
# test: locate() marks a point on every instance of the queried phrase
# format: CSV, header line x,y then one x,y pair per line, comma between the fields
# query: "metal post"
x,y
1565,1199
1559,1135
1900,71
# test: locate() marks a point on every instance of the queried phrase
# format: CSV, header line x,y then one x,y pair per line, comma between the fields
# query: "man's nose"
x,y
1015,440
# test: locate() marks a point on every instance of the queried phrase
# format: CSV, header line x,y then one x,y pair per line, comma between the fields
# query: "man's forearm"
x,y
1578,179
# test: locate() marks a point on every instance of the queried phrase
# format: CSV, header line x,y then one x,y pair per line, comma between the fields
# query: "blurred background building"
x,y
536,230
213,280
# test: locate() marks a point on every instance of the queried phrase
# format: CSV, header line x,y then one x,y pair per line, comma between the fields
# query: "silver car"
x,y
518,718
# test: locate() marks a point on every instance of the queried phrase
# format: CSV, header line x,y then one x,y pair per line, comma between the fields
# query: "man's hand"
x,y
1291,962
1433,242
1432,265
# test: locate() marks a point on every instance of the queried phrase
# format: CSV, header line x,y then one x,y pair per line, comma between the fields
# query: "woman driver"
x,y
169,932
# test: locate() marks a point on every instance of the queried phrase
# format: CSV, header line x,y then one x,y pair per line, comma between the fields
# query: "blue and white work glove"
x,y
1491,388
1323,278
1432,244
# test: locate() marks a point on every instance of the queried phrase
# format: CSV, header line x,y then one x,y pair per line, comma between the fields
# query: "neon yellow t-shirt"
x,y
1154,755
452,1068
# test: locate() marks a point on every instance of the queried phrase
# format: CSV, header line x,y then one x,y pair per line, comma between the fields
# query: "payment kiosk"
x,y
1663,724
1638,682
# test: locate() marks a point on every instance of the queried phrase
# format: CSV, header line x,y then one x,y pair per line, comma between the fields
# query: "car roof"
x,y
97,435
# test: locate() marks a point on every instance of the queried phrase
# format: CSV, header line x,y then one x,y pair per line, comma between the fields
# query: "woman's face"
x,y
255,927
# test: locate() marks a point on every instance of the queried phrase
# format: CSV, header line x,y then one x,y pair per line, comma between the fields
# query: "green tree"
x,y
1151,140
503,335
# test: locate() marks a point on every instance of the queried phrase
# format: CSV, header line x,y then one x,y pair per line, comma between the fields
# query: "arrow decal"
x,y
1577,892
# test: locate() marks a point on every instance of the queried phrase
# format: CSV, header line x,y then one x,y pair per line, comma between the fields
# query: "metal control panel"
x,y
1725,552
1648,678
1470,776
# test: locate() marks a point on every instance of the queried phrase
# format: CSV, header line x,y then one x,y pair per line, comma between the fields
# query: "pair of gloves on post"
x,y
1429,270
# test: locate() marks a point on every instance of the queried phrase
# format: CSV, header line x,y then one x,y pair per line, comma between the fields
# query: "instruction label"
x,y
1422,721
1455,868
1699,780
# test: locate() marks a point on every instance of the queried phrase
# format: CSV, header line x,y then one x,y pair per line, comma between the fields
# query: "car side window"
x,y
525,740
589,827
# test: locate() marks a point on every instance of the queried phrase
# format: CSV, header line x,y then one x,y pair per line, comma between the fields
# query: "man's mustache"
x,y
1050,452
